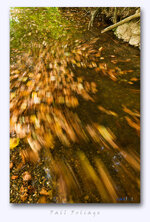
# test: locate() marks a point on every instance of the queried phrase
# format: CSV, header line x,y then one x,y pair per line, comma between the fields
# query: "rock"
x,y
124,32
129,32
121,30
135,28
134,40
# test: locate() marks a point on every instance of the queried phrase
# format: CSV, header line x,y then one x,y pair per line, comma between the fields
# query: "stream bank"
x,y
129,31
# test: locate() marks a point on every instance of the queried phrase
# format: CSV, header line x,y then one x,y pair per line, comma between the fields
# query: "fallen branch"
x,y
137,15
93,15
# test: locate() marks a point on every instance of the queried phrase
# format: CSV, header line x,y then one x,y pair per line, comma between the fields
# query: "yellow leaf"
x,y
23,105
49,140
104,132
30,74
100,49
24,79
134,79
12,95
109,112
32,118
16,72
34,94
29,83
14,142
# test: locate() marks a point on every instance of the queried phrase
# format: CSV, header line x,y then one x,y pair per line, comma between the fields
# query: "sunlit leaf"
x,y
14,142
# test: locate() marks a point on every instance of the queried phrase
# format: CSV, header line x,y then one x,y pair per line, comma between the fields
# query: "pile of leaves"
x,y
46,89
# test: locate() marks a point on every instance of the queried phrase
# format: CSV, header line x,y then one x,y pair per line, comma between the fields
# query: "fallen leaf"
x,y
125,109
14,177
11,165
133,124
14,142
44,192
134,79
109,112
24,79
42,200
26,176
23,193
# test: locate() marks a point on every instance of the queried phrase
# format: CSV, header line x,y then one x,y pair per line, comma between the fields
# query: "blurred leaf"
x,y
13,142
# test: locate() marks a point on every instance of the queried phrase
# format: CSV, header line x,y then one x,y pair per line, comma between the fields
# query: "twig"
x,y
93,15
137,15
115,16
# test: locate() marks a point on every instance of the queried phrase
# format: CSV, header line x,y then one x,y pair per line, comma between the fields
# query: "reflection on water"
x,y
74,104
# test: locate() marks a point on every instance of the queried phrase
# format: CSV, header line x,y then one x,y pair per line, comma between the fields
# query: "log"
x,y
136,15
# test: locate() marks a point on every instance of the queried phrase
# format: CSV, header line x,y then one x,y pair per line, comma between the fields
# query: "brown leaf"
x,y
44,192
14,177
109,112
133,124
127,110
11,165
26,176
42,200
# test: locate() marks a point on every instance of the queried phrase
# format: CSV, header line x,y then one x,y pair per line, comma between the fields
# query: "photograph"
x,y
74,106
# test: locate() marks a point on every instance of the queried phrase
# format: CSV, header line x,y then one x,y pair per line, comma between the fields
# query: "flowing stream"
x,y
92,106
